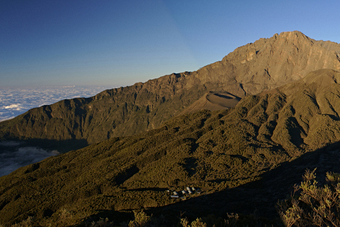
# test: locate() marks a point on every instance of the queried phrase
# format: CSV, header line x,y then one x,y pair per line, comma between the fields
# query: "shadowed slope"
x,y
225,153
250,69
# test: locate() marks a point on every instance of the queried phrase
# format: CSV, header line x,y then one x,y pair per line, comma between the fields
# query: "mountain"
x,y
213,101
244,159
249,70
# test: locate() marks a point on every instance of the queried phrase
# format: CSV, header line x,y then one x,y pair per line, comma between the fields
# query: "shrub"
x,y
64,217
102,223
141,219
26,223
212,220
197,223
311,204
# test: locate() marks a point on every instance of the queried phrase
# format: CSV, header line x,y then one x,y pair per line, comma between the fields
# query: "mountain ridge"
x,y
249,69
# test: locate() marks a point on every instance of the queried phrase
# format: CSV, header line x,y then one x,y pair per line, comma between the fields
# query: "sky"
x,y
117,43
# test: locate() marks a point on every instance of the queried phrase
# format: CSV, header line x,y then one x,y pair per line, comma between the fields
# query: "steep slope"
x,y
244,159
311,106
250,69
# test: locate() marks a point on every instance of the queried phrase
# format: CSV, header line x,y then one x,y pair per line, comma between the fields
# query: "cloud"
x,y
13,156
16,101
13,106
10,143
5,118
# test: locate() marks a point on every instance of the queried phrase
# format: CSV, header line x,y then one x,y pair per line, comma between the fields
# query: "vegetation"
x,y
312,204
250,154
141,219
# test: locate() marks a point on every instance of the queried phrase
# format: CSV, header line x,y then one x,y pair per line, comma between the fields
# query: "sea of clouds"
x,y
15,101
14,155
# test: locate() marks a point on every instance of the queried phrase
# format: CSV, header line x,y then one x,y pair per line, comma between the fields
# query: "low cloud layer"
x,y
16,101
14,155
13,106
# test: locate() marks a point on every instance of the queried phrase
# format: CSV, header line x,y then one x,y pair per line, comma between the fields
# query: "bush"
x,y
196,223
26,223
102,223
311,204
141,219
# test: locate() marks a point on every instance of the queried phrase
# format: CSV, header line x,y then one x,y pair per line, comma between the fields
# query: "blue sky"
x,y
117,43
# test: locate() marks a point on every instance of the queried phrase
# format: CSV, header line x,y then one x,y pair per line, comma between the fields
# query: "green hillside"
x,y
243,160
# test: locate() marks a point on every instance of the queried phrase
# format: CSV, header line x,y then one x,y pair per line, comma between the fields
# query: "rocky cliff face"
x,y
269,63
250,69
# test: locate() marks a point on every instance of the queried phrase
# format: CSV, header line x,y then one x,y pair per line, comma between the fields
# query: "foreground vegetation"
x,y
310,204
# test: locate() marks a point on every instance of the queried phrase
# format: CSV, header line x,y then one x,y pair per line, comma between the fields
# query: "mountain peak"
x,y
291,34
272,62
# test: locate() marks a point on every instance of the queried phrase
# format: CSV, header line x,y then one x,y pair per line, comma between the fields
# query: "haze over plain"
x,y
115,43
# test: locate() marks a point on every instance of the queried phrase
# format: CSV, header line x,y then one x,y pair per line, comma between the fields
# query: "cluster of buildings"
x,y
188,191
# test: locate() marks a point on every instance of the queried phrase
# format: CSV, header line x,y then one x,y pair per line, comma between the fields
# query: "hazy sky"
x,y
117,43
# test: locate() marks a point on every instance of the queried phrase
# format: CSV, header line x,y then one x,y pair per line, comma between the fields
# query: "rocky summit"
x,y
238,133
